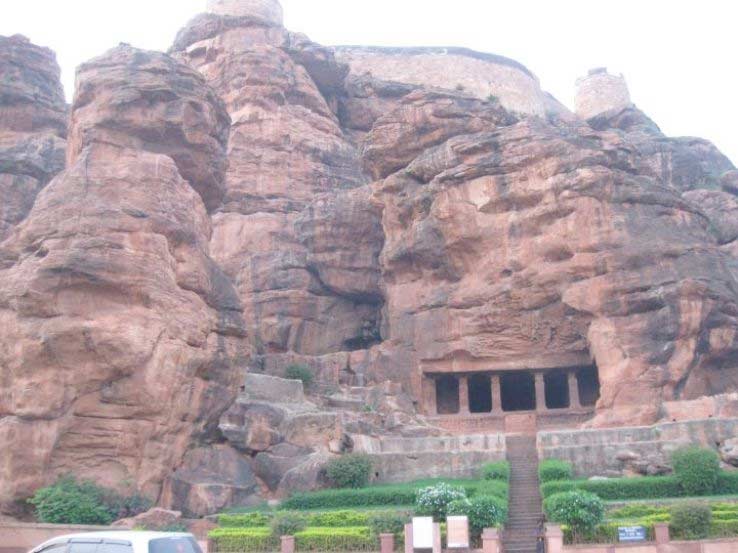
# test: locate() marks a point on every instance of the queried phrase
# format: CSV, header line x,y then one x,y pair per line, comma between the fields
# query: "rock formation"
x,y
120,333
375,215
32,126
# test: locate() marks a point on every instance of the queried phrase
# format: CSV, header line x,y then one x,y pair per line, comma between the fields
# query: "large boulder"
x,y
210,479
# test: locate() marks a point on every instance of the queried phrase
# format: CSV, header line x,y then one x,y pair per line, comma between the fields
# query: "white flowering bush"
x,y
434,500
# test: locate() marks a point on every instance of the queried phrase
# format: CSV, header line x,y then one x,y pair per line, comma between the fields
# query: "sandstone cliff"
x,y
32,126
257,200
120,333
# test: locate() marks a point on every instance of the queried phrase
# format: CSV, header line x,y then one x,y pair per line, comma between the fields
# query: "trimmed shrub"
x,y
237,540
643,487
287,524
245,520
387,523
724,528
434,500
373,496
691,520
299,372
636,511
727,483
72,502
697,470
554,469
499,470
349,471
338,519
488,487
483,512
335,539
581,511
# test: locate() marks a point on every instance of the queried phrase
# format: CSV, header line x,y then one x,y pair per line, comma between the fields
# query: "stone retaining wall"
x,y
613,451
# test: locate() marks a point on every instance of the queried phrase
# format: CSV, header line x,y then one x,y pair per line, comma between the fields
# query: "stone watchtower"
x,y
267,10
599,92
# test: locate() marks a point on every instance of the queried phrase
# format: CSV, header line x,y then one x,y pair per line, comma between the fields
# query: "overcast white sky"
x,y
679,57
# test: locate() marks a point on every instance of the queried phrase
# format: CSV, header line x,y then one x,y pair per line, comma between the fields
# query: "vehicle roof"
x,y
136,538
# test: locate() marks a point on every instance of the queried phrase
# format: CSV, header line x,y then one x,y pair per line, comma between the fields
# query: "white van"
x,y
121,542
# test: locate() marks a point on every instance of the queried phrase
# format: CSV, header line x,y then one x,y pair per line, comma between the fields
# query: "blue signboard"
x,y
631,533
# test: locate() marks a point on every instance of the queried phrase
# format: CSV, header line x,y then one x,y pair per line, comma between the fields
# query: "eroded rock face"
x,y
121,335
32,126
286,151
532,245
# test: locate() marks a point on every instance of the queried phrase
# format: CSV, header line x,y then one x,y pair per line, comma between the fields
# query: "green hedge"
x,y
498,470
389,495
336,539
550,470
240,540
727,483
374,496
237,540
246,520
644,487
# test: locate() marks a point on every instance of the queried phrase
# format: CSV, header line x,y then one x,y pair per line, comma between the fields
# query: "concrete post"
x,y
661,533
554,538
386,543
494,382
464,395
490,540
540,392
437,535
288,544
574,402
409,537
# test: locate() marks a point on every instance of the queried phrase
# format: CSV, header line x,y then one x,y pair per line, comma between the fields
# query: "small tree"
x,y
349,471
483,512
697,469
691,520
581,511
299,372
434,500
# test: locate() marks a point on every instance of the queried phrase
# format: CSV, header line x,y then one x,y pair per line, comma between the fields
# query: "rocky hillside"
x,y
252,200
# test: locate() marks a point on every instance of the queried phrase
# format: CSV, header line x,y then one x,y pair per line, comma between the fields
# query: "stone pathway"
x,y
525,499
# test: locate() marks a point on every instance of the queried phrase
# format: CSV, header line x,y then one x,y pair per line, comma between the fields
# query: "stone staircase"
x,y
525,499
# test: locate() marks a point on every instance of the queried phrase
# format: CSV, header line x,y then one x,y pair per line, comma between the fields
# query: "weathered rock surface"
x,y
210,479
120,333
258,200
32,126
286,150
153,519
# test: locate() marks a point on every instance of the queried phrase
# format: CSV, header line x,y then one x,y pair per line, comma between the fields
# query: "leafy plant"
x,y
387,523
691,520
349,471
498,470
434,500
71,502
697,469
554,469
299,372
581,511
287,524
483,512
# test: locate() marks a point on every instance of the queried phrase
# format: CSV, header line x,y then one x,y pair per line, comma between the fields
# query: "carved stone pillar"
x,y
540,392
464,395
574,402
429,396
494,382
